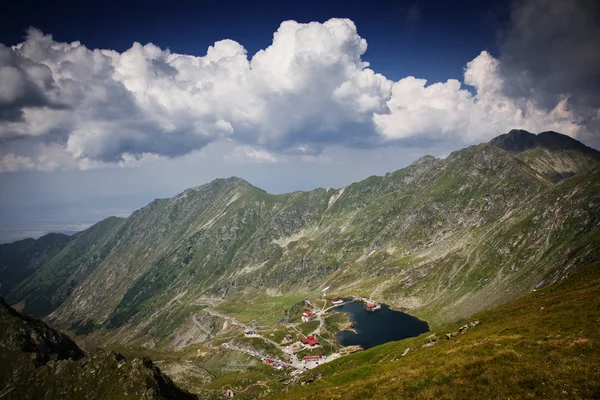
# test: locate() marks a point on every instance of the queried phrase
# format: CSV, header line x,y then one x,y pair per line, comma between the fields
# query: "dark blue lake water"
x,y
375,328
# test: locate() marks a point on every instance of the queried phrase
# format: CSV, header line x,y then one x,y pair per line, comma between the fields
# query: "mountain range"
x,y
442,239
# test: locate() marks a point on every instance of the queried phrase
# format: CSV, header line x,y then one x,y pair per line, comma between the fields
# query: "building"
x,y
337,300
307,315
288,339
311,358
249,331
310,341
372,306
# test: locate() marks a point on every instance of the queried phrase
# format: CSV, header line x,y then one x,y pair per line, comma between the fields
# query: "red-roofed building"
x,y
307,315
308,358
310,341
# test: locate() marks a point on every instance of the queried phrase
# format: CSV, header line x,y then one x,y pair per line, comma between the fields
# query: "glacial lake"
x,y
375,328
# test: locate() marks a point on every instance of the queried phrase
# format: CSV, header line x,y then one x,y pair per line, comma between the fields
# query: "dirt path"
x,y
228,386
199,325
231,319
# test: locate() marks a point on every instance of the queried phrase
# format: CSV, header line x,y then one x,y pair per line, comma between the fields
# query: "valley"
x,y
227,287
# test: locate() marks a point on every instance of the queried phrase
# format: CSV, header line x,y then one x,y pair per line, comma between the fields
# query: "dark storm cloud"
x,y
24,84
552,51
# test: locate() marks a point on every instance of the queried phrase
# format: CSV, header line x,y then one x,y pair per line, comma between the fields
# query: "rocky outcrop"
x,y
39,362
20,333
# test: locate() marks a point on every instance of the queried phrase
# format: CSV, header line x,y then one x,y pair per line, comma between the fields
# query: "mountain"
x,y
442,238
553,155
543,345
20,259
39,362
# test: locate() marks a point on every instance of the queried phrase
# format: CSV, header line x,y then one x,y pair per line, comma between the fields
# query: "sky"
x,y
105,106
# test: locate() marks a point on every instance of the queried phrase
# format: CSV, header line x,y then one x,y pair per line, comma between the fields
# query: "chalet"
x,y
307,315
310,341
372,306
288,339
249,331
337,300
311,358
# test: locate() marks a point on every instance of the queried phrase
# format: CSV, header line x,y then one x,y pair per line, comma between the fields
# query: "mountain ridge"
x,y
442,239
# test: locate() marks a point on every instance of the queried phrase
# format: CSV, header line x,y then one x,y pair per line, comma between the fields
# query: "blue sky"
x,y
429,39
93,125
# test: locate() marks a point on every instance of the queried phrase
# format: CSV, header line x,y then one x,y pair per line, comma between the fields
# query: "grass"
x,y
308,327
544,345
261,308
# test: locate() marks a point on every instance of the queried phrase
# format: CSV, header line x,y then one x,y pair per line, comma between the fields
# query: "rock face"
x,y
518,141
39,362
23,334
441,238
515,141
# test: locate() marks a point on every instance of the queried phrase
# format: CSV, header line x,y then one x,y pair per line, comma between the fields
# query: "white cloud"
x,y
249,154
445,110
66,106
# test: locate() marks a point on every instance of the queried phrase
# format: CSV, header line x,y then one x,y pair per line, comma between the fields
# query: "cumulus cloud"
x,y
444,109
63,105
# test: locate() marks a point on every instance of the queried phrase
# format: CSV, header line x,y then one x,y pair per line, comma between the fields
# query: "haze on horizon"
x,y
98,120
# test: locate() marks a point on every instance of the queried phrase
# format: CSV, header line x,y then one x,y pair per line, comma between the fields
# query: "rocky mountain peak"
x,y
515,141
518,140
233,182
558,141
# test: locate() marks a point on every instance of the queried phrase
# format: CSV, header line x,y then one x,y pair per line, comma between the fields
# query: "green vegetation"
x,y
308,327
258,344
544,345
261,308
443,239
21,259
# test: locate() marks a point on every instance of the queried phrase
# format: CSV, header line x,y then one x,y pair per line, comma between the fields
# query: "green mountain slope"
x,y
20,259
443,239
544,345
51,285
39,362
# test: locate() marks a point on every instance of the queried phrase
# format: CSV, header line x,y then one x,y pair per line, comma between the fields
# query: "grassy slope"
x,y
544,345
20,259
52,284
441,238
